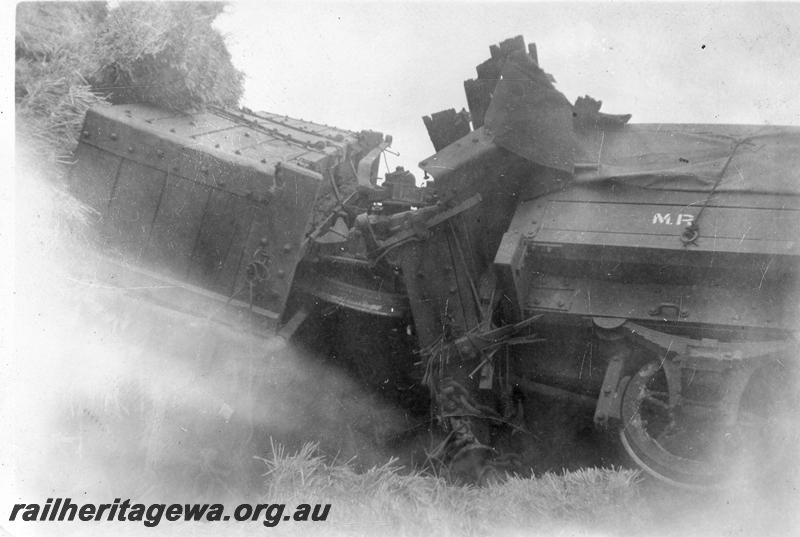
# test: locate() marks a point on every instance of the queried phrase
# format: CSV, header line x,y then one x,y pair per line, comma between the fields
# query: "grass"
x,y
392,500
74,55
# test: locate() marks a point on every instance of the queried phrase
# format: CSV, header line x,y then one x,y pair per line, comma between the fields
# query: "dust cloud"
x,y
115,396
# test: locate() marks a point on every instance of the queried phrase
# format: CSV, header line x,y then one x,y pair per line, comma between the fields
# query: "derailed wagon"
x,y
650,270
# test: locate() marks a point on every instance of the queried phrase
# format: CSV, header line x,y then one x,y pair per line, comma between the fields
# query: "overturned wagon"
x,y
649,271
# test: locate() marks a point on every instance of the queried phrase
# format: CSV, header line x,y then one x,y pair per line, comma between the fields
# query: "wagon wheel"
x,y
694,440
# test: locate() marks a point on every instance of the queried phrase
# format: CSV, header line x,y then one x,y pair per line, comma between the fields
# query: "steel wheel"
x,y
694,440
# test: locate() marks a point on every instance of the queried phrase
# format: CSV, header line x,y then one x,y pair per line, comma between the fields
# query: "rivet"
x,y
113,136
281,273
86,134
560,304
287,248
130,149
453,289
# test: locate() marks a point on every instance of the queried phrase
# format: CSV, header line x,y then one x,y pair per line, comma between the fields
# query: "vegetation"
x,y
73,55
391,501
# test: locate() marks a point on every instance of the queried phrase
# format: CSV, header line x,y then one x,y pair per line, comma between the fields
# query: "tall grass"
x,y
391,500
74,55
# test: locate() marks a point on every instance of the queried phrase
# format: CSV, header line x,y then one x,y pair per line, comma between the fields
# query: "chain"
x,y
692,231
